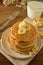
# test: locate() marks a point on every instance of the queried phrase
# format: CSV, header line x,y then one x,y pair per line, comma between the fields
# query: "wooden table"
x,y
4,13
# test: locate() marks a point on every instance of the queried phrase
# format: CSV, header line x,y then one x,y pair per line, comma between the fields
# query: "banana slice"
x,y
28,27
22,24
21,31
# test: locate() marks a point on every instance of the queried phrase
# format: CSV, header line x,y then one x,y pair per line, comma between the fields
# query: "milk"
x,y
34,9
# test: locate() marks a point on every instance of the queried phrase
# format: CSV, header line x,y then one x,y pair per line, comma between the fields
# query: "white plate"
x,y
12,53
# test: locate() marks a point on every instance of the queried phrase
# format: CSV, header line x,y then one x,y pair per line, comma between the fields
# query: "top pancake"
x,y
27,37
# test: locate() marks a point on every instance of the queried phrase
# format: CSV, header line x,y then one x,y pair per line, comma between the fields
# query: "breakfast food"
x,y
39,24
22,36
8,2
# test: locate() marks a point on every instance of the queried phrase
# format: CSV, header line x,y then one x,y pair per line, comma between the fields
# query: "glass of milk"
x,y
34,9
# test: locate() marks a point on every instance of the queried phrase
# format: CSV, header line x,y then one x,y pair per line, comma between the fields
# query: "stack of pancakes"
x,y
22,43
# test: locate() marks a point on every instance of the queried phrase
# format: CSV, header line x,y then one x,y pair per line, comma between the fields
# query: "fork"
x,y
11,17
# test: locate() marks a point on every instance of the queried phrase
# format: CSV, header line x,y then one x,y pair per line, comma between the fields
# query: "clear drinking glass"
x,y
34,8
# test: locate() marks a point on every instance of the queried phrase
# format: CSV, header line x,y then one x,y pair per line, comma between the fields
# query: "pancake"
x,y
20,47
28,36
22,43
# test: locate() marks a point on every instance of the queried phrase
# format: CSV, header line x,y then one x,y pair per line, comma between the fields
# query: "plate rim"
x,y
6,51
